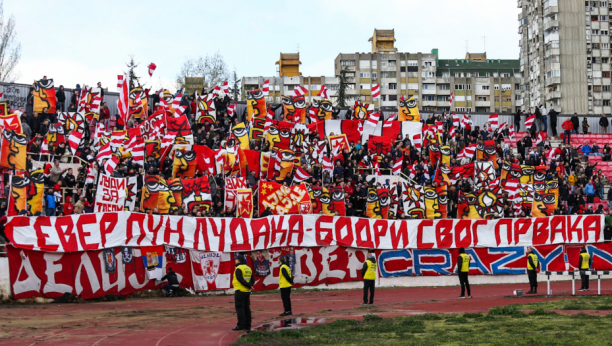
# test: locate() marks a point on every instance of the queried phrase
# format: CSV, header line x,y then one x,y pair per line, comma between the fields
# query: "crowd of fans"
x,y
580,181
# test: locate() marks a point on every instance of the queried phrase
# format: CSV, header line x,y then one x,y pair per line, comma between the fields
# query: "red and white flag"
x,y
465,121
124,100
162,100
494,121
176,102
136,148
451,132
179,111
529,121
312,113
373,119
231,109
412,170
360,127
513,190
104,153
456,121
393,116
397,165
266,88
216,90
299,91
417,141
376,166
327,164
451,98
225,88
541,137
44,148
375,91
467,152
300,175
74,140
111,164
324,93
493,184
117,139
501,127
269,119
440,126
511,133
152,68
90,176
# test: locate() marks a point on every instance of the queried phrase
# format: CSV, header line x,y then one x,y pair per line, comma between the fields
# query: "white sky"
x,y
89,41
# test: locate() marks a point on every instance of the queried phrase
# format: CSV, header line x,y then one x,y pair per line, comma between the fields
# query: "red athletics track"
x,y
209,320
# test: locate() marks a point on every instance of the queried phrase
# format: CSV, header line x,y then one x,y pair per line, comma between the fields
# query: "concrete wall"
x,y
573,56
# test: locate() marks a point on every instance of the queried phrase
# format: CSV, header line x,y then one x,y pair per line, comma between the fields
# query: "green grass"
x,y
603,303
501,326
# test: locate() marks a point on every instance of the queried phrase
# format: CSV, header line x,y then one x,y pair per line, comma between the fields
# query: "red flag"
x,y
74,141
152,68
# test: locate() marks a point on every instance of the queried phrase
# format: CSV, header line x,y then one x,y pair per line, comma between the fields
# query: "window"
x,y
414,86
427,63
468,74
476,74
349,75
364,74
458,86
334,86
315,87
606,102
605,46
496,87
429,98
374,64
443,86
445,74
402,63
392,97
597,88
505,75
412,63
481,98
604,32
384,63
495,74
605,88
459,74
391,63
413,74
594,18
350,86
374,75
605,60
596,74
393,86
597,103
595,32
603,18
383,97
428,74
364,86
595,45
402,68
403,86
428,86
442,98
486,87
388,74
487,74
468,86
505,87
384,85
605,74
364,64
347,62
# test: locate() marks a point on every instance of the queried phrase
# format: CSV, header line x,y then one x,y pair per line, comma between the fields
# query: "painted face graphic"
x,y
432,203
279,135
206,112
484,173
19,193
527,174
152,149
150,192
408,110
35,191
299,138
184,164
434,153
168,97
543,204
385,202
44,95
256,105
72,121
362,111
13,154
446,154
539,178
176,189
552,186
166,199
373,210
443,200
394,202
326,202
337,201
467,206
486,152
138,109
323,109
526,192
315,198
414,201
488,204
241,134
287,162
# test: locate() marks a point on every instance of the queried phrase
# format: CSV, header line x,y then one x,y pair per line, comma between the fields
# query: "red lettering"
x,y
420,244
261,228
573,228
67,238
107,225
402,233
86,219
592,223
296,226
475,225
277,228
558,225
217,232
540,231
41,238
508,224
318,230
380,230
345,222
463,225
139,220
234,225
521,226
155,230
444,234
178,230
200,229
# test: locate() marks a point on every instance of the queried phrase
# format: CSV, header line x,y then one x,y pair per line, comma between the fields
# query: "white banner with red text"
x,y
104,230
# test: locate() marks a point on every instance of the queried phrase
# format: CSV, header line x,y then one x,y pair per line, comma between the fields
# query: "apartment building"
x,y
478,84
565,55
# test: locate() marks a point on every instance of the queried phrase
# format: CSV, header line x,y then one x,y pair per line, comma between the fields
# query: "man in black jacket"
x,y
575,123
243,282
173,284
603,122
517,120
552,115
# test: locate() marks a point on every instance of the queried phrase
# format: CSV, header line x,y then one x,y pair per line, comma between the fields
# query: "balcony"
x,y
428,79
553,81
482,104
429,103
550,10
553,95
443,80
443,92
551,24
442,104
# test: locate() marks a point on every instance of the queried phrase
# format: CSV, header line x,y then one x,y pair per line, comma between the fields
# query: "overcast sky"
x,y
89,41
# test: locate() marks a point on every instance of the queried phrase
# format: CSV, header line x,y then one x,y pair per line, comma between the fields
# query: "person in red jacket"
x,y
68,206
567,130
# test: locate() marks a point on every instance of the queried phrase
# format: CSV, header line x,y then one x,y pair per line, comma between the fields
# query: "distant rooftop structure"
x,y
476,56
289,65
383,41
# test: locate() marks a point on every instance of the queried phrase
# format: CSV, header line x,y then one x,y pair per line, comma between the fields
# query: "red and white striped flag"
x,y
501,127
312,113
168,139
511,132
327,164
299,91
152,68
124,99
494,121
225,87
360,127
266,88
269,119
397,165
373,119
376,166
465,121
136,147
456,121
375,91
231,109
417,141
451,132
451,98
513,190
541,137
44,148
216,90
300,175
493,184
117,139
74,140
393,116
324,93
440,126
412,170
162,100
176,102
104,153
529,121
467,152
111,164
90,176
179,111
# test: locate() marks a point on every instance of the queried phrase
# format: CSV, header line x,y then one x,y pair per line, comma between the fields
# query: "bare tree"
x,y
10,49
211,67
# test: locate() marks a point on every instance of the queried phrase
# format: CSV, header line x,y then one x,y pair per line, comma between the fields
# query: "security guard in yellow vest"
x,y
368,271
463,269
243,282
584,264
285,281
532,271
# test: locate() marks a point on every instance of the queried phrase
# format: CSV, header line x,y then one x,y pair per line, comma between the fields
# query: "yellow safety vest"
x,y
371,271
247,273
535,262
282,282
465,264
585,260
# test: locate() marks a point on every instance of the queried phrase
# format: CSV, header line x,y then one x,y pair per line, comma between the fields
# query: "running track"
x,y
209,320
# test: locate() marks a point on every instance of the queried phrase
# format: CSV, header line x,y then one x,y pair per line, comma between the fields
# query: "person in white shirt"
x,y
544,124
